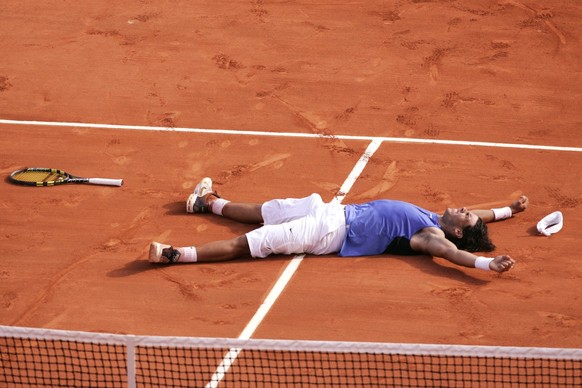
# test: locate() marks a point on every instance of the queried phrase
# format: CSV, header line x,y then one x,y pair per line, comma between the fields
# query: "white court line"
x,y
294,134
286,276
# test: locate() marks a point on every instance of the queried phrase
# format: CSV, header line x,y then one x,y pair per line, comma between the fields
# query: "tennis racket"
x,y
53,177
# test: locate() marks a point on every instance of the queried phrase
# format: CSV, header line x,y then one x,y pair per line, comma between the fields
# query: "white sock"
x,y
218,205
187,255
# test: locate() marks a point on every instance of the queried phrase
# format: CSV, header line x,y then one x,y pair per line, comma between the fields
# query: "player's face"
x,y
460,218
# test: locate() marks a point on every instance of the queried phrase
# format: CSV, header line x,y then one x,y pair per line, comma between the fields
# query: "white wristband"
x,y
502,213
483,263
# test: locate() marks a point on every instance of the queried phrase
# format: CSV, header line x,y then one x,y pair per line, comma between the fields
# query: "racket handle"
x,y
107,182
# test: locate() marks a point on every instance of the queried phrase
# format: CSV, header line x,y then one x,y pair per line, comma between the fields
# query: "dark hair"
x,y
475,238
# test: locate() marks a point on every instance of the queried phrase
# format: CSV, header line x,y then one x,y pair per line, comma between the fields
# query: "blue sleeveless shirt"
x,y
384,226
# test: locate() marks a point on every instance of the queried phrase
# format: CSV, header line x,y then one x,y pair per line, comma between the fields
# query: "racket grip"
x,y
106,182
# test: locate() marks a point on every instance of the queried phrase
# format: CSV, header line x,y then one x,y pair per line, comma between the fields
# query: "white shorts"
x,y
294,226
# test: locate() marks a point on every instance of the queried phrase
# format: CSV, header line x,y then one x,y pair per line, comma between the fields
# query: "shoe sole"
x,y
204,187
155,255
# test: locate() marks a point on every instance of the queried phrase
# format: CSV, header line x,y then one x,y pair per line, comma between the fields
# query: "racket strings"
x,y
39,176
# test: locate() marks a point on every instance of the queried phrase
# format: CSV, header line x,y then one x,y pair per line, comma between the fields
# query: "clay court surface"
x,y
74,257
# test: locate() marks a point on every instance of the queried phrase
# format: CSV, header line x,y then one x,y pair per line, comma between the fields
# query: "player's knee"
x,y
241,245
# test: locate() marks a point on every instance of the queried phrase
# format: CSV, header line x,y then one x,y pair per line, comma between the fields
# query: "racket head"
x,y
36,176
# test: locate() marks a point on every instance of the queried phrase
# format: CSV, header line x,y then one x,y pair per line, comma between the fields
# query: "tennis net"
x,y
55,358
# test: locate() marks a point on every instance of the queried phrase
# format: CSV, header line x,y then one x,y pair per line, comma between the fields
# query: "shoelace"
x,y
171,254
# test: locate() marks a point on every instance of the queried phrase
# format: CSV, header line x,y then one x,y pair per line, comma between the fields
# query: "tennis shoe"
x,y
198,201
163,254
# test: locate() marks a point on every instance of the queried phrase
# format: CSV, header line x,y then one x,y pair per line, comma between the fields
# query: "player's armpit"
x,y
436,245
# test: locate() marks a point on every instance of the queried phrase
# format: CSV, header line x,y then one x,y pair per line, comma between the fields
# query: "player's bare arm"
x,y
432,241
491,215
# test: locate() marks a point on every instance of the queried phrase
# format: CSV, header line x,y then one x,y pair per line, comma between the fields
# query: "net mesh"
x,y
39,357
252,368
61,363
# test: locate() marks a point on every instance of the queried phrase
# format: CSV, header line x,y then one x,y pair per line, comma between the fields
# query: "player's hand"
x,y
519,205
502,263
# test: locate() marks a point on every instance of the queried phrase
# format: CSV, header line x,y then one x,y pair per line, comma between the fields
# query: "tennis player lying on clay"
x,y
308,225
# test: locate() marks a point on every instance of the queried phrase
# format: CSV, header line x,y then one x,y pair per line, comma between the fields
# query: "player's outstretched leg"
x,y
210,252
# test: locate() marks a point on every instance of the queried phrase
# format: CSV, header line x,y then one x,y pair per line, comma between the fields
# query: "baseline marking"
x,y
292,134
286,276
